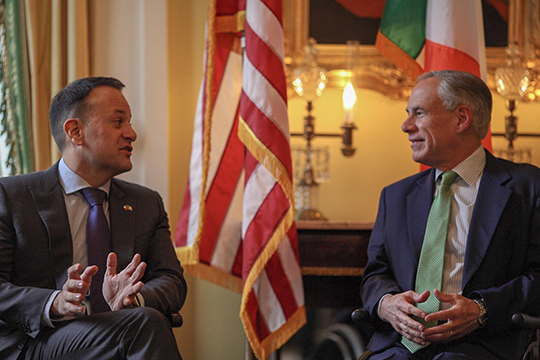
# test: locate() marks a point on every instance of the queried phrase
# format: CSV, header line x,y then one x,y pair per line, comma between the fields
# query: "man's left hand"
x,y
461,319
119,290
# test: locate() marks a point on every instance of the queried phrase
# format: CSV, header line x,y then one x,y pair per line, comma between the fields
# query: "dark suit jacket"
x,y
502,259
36,249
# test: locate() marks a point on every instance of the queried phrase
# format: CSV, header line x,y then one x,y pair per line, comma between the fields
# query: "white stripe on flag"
x,y
265,97
195,171
267,27
269,305
224,113
257,189
230,235
292,269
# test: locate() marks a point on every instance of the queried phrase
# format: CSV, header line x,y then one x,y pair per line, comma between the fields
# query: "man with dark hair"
x,y
87,266
455,250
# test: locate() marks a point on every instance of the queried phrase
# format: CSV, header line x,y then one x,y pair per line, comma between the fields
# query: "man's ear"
x,y
74,130
464,114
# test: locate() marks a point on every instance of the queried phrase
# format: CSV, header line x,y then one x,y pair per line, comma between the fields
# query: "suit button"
x,y
20,346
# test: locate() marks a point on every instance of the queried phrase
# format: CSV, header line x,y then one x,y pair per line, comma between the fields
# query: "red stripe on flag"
x,y
266,132
250,163
239,259
180,237
227,7
257,321
224,46
221,193
267,62
276,7
442,57
281,285
293,238
263,225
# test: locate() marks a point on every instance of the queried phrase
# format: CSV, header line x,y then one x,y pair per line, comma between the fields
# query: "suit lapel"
x,y
418,206
122,220
49,202
490,203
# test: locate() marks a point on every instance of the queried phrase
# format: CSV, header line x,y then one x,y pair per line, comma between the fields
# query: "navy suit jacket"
x,y
36,249
502,259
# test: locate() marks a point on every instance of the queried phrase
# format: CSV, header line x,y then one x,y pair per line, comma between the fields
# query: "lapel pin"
x,y
128,208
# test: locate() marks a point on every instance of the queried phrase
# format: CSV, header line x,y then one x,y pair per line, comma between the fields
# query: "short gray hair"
x,y
462,88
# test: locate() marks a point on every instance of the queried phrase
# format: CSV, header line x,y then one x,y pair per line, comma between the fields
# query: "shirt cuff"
x,y
46,316
379,305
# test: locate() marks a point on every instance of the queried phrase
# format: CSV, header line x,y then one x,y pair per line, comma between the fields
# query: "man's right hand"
x,y
397,310
69,301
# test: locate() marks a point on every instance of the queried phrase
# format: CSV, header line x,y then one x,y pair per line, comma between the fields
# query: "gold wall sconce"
x,y
309,81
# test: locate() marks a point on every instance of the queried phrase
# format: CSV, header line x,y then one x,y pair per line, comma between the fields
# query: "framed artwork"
x,y
332,22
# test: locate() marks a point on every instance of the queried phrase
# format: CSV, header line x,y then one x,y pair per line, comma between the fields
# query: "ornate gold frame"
x,y
375,72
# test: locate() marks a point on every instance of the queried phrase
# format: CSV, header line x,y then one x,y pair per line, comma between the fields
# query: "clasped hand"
x,y
459,320
119,289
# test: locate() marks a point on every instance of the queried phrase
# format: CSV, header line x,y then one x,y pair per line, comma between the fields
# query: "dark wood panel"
x,y
332,257
333,248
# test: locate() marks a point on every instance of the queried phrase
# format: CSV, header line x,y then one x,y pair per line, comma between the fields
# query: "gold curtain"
x,y
58,51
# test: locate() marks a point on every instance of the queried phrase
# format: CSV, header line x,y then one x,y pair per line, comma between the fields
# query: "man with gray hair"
x,y
455,250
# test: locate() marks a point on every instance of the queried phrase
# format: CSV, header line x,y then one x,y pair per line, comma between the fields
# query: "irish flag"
x,y
424,35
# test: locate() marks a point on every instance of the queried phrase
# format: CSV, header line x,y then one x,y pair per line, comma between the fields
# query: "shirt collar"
x,y
470,169
71,182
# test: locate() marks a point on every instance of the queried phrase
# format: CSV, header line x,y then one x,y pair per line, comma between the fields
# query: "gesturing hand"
x,y
68,301
119,289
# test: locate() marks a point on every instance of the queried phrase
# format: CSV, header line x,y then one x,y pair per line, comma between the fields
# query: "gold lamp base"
x,y
311,214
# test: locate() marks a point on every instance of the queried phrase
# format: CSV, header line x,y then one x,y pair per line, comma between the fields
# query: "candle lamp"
x,y
309,81
512,81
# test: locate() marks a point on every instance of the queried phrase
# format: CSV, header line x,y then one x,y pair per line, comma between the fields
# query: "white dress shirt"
x,y
77,210
464,191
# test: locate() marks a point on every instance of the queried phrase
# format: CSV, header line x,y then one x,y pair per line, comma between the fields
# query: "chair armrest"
x,y
360,316
527,321
176,319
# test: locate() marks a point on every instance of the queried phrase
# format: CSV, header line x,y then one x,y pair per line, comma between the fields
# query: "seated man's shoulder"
x,y
132,188
525,170
522,173
23,180
410,181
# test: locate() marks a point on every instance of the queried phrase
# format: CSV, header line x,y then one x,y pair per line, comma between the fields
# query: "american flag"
x,y
236,226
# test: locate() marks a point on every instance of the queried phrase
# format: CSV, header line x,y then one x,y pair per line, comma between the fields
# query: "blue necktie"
x,y
98,243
